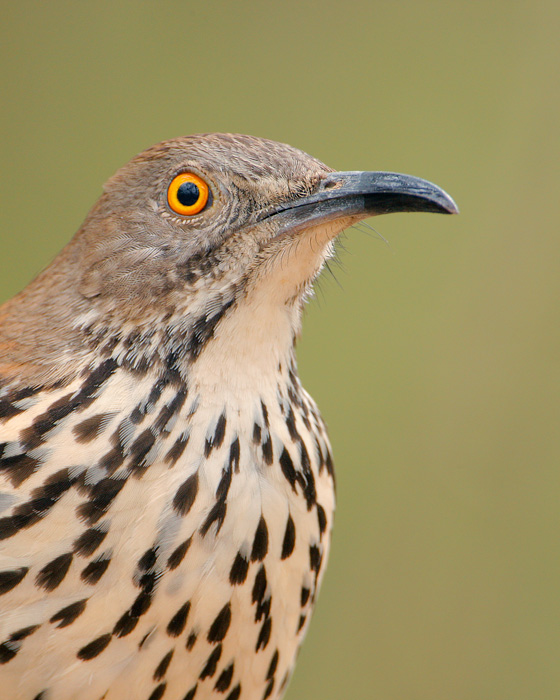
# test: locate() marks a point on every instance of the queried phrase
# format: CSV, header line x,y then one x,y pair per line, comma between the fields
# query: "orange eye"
x,y
187,194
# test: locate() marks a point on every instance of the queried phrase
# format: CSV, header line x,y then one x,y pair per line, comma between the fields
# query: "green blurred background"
x,y
435,359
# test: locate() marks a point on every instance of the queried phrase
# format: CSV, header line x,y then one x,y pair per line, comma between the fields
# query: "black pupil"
x,y
188,194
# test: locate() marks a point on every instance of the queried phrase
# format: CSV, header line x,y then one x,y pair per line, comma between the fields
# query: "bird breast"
x,y
195,524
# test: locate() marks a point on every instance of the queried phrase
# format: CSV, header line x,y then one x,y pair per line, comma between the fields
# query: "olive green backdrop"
x,y
435,359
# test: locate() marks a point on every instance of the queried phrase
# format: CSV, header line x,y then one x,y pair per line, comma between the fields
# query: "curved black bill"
x,y
362,194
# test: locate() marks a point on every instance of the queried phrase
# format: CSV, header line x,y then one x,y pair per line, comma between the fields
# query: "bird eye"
x,y
187,194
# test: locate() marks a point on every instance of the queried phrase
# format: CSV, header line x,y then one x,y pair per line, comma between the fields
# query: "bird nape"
x,y
167,484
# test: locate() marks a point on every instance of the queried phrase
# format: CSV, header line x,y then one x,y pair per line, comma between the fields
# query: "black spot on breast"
x,y
144,639
264,634
141,604
89,541
191,641
8,410
285,680
260,542
186,494
171,363
282,401
93,649
257,432
224,679
305,593
287,467
273,665
259,586
32,436
315,558
320,456
24,393
155,392
139,449
168,411
95,570
90,428
8,651
113,459
101,496
289,538
204,328
269,688
177,448
18,468
158,692
238,572
268,455
235,693
179,620
294,397
305,477
147,582
137,415
217,515
67,615
291,424
23,633
125,624
263,609
12,645
220,626
96,379
264,410
301,622
211,664
42,500
53,573
148,559
128,621
322,518
10,579
54,487
192,692
216,440
234,453
178,554
162,667
35,434
329,463
223,486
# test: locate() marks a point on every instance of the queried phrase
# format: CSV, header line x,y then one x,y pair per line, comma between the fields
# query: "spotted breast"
x,y
166,484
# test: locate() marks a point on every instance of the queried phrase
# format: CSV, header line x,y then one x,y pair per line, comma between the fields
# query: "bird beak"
x,y
359,194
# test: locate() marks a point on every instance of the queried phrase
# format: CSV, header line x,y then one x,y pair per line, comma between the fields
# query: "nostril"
x,y
330,184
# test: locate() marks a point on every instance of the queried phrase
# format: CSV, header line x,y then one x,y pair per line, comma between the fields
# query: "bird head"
x,y
193,218
202,227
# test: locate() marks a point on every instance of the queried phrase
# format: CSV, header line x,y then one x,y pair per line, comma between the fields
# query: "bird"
x,y
166,483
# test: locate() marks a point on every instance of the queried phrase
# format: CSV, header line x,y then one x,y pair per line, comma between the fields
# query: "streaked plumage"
x,y
167,491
